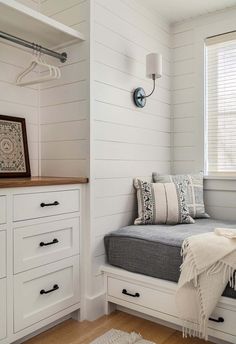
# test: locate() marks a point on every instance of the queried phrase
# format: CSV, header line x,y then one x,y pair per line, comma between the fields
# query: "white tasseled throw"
x,y
226,232
209,262
119,337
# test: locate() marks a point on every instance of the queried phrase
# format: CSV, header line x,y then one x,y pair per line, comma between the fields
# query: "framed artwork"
x,y
14,154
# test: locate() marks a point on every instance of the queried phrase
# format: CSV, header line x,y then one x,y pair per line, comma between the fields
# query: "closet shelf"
x,y
19,20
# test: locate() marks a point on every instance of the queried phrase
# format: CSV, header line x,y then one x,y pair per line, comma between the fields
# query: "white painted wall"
x,y
125,141
188,106
34,4
64,104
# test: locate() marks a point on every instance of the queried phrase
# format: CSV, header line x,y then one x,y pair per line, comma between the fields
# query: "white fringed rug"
x,y
120,337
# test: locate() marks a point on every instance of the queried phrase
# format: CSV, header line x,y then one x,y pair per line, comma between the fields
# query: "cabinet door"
x,y
3,210
3,308
3,253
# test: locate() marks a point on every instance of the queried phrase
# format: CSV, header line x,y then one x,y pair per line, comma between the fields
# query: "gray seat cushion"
x,y
154,250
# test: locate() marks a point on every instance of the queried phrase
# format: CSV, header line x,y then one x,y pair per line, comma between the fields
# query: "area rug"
x,y
119,337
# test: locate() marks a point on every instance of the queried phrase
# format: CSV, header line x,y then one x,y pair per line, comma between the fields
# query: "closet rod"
x,y
62,57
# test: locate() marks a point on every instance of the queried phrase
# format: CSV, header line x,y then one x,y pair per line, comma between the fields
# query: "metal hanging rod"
x,y
62,57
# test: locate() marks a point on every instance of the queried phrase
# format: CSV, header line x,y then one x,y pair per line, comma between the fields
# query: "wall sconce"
x,y
153,71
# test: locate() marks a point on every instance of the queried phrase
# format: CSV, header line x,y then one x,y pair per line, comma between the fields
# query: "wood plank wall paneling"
x,y
183,101
65,103
34,4
127,141
187,116
20,101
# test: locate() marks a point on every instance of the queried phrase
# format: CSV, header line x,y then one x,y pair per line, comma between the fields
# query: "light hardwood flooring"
x,y
73,332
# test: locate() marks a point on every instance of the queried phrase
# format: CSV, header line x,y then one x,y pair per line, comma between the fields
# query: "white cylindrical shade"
x,y
154,65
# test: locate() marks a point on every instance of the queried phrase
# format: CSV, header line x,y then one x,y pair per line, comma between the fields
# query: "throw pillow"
x,y
161,203
192,184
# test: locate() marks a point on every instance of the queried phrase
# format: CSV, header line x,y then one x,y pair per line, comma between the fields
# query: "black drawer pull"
x,y
124,291
55,287
218,320
42,205
55,241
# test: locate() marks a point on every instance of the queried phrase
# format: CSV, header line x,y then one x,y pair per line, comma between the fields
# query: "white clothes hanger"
x,y
53,72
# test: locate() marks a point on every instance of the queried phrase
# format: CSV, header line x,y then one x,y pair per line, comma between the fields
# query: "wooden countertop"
x,y
40,181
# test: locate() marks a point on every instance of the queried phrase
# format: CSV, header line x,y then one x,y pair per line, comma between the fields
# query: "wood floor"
x,y
73,332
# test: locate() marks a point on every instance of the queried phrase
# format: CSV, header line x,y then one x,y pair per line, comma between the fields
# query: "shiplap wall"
x,y
34,4
126,141
20,101
64,104
188,106
183,101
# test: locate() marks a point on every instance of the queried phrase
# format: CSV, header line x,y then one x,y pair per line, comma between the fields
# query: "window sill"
x,y
219,177
220,183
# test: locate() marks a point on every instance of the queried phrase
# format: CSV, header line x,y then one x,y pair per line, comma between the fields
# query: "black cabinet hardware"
x,y
42,205
124,291
55,241
55,287
218,320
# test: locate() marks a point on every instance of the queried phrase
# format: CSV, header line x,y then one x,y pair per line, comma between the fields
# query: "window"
x,y
220,154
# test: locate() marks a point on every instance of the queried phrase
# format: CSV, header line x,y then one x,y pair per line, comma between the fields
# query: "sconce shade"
x,y
154,65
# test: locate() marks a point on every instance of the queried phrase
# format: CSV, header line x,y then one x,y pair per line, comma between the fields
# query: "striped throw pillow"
x,y
161,203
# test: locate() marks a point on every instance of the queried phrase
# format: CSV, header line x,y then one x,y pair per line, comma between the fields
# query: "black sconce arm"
x,y
154,87
140,96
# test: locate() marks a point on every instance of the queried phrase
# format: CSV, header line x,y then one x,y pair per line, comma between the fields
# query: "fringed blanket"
x,y
209,262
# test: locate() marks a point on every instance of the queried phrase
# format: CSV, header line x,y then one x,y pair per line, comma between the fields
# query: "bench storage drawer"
x,y
44,291
141,295
45,243
228,324
158,300
41,204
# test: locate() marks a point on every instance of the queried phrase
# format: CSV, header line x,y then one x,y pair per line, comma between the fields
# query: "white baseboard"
x,y
94,307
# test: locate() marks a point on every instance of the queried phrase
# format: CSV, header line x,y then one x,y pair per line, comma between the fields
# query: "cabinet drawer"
x,y
3,308
42,204
3,253
45,243
3,210
44,291
228,325
143,296
164,302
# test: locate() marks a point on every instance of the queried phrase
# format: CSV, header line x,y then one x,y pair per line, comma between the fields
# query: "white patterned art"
x,y
14,157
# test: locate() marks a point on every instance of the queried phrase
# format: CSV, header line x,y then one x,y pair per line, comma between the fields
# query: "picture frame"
x,y
14,153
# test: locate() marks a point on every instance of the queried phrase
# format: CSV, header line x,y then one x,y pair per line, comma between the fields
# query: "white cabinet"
x,y
39,257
